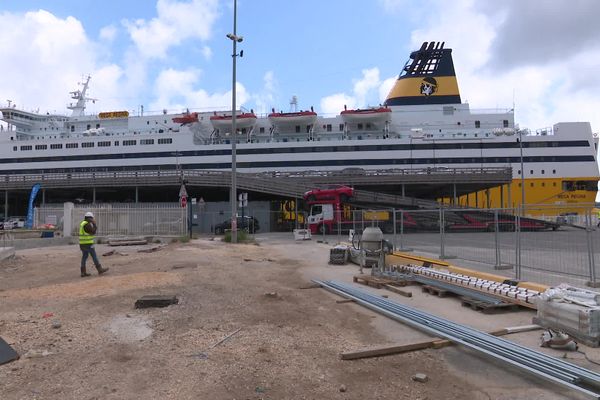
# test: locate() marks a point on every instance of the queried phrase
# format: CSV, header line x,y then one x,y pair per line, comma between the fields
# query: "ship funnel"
x,y
427,78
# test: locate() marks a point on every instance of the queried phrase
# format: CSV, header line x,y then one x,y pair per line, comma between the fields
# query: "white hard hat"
x,y
89,214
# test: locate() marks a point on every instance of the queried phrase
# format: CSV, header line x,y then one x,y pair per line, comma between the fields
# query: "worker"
x,y
87,230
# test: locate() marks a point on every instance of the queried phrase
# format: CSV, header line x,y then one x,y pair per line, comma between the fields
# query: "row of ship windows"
x,y
570,186
56,146
543,172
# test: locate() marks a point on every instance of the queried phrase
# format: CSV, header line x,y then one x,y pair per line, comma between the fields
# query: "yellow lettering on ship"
x,y
571,196
113,114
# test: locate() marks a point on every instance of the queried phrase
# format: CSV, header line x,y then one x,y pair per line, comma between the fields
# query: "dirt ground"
x,y
82,338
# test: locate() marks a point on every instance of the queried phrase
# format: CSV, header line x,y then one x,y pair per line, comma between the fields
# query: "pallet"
x,y
401,292
402,282
435,291
485,307
372,281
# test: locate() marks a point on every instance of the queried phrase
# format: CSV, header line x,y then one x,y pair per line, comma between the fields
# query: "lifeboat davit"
x,y
379,114
293,118
242,121
186,118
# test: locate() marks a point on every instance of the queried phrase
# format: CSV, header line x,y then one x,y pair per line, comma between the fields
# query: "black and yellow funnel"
x,y
427,78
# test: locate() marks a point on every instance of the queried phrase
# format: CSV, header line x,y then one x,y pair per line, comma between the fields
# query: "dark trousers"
x,y
88,249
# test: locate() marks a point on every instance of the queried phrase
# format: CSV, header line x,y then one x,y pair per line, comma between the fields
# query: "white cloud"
x,y
56,55
207,52
176,21
335,103
265,99
108,33
175,90
368,82
365,90
385,88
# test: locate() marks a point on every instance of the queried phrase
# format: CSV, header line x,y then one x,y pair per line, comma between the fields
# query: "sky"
x,y
542,56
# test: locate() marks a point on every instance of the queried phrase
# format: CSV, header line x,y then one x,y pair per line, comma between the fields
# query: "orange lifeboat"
x,y
375,114
293,118
186,118
243,121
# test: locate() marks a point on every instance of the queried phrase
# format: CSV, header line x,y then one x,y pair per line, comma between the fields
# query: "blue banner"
x,y
34,191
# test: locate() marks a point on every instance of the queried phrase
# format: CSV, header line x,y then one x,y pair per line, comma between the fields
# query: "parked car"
x,y
248,223
14,222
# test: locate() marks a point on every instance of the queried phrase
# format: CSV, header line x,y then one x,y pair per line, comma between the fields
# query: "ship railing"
x,y
146,113
548,131
496,110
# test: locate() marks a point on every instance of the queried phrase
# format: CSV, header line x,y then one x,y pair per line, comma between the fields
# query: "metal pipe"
x,y
526,359
466,331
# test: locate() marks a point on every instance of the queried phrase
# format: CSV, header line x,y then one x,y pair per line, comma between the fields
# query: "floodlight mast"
x,y
235,39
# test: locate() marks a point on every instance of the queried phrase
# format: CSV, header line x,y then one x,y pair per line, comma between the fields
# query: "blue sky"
x,y
173,54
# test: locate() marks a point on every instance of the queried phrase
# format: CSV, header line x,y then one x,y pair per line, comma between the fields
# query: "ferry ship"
x,y
422,124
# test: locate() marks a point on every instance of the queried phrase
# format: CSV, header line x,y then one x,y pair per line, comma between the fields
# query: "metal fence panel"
x,y
559,256
128,219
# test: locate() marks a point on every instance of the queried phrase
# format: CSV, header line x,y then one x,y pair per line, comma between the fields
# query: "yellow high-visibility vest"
x,y
84,237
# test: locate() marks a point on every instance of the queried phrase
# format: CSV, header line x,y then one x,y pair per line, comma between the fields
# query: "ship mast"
x,y
79,95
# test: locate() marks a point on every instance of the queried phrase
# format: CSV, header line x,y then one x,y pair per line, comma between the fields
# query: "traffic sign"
x,y
183,201
243,199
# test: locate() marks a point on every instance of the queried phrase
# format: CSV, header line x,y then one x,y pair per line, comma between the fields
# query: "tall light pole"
x,y
233,196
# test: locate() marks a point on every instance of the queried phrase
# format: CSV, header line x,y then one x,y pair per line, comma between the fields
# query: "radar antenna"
x,y
294,104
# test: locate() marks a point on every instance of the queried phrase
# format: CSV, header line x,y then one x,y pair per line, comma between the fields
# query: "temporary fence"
x,y
548,245
157,219
540,244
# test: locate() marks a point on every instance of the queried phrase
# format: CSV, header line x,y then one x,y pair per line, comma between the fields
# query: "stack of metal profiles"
x,y
502,289
531,361
459,290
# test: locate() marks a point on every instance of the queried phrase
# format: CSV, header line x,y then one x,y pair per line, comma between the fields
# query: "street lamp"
x,y
235,39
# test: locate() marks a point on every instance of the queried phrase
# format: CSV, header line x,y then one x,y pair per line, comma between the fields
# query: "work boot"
x,y
101,270
84,273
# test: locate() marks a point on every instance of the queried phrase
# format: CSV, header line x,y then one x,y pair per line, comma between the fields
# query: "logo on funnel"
x,y
428,86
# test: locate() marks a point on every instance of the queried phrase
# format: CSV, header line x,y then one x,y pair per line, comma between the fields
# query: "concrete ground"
x,y
82,338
